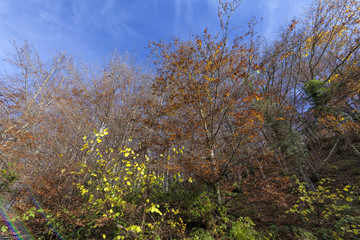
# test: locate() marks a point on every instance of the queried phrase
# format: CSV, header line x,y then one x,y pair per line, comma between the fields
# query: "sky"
x,y
90,30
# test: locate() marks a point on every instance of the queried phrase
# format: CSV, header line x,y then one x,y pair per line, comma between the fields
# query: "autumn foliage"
x,y
227,137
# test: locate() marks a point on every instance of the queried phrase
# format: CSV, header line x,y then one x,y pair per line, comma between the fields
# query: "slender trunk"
x,y
217,183
167,181
354,149
308,182
210,144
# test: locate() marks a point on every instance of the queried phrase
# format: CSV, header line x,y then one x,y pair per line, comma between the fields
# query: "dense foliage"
x,y
228,138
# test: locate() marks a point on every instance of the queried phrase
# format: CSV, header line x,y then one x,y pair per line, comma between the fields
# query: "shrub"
x,y
329,209
122,198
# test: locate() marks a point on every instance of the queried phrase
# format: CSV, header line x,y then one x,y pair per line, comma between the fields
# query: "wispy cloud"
x,y
77,26
213,3
184,13
178,11
272,14
280,13
91,29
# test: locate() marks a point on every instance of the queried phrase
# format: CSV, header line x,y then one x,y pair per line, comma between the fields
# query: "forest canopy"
x,y
229,137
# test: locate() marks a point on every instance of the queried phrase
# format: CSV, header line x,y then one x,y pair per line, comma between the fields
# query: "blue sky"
x,y
91,29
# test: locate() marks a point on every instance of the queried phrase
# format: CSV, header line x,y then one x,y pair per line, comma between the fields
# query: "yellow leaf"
x,y
105,132
104,236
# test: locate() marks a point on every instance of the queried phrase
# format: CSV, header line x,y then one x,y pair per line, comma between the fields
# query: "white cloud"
x,y
178,7
281,12
183,15
273,13
213,3
91,27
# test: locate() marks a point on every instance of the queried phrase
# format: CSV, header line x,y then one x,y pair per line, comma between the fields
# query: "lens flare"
x,y
16,226
42,212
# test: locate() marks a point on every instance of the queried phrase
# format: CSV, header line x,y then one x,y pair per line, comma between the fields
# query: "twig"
x,y
331,152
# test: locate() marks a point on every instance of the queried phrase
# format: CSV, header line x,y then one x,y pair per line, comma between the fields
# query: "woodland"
x,y
225,136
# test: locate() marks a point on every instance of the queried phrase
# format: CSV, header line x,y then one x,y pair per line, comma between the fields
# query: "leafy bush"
x,y
7,177
243,229
318,93
301,233
329,209
122,198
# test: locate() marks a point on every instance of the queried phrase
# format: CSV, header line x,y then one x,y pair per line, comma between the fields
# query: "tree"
x,y
300,74
207,93
46,109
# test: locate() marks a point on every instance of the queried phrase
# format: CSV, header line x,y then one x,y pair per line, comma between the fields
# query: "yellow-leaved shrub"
x,y
121,195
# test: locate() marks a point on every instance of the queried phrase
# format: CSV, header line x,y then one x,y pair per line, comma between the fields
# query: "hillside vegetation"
x,y
228,137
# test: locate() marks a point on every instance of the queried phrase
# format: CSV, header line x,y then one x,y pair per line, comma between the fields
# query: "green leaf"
x,y
154,208
4,229
134,228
